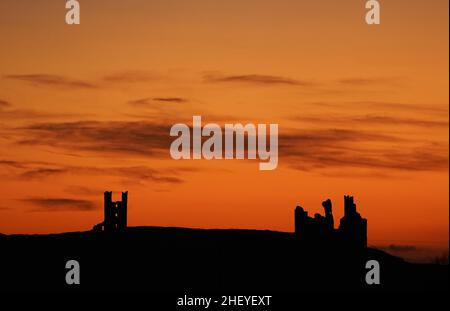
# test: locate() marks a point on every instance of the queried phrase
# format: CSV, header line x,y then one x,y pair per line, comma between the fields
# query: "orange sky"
x,y
361,109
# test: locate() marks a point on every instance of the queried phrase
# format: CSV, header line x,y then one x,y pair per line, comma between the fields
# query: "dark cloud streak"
x,y
371,119
256,79
133,138
303,149
4,104
44,204
345,149
52,80
143,102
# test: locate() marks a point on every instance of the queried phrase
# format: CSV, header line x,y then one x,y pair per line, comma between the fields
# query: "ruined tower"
x,y
329,220
353,228
319,230
301,222
115,214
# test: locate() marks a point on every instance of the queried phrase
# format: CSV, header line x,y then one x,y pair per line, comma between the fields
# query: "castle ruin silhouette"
x,y
310,231
115,214
352,231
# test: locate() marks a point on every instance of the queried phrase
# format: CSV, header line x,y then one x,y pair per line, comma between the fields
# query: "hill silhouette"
x,y
162,259
115,257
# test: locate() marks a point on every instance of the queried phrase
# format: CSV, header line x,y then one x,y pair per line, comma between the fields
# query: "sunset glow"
x,y
360,110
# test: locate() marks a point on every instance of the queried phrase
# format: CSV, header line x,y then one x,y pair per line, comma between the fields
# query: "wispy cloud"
x,y
4,104
371,119
130,77
170,99
343,148
133,138
12,163
256,79
39,173
27,114
143,102
44,204
383,106
52,80
84,191
144,173
368,81
303,149
41,170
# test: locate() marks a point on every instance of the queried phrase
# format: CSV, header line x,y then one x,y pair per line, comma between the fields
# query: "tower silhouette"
x,y
115,214
352,227
319,231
